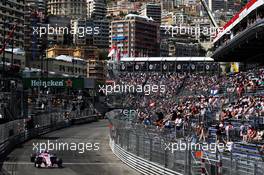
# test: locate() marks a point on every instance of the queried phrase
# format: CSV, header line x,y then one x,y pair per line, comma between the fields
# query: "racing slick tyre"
x,y
59,163
53,160
33,157
38,162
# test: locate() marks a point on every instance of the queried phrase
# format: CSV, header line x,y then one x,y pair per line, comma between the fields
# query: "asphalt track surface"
x,y
92,162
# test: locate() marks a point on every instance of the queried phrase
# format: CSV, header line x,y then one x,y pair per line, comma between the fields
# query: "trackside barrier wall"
x,y
141,165
145,149
8,143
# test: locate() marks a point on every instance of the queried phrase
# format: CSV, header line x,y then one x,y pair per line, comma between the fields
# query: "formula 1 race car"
x,y
45,160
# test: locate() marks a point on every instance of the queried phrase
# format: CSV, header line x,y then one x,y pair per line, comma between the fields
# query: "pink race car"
x,y
45,160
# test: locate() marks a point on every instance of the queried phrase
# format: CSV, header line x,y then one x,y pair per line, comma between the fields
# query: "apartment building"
x,y
96,9
12,13
135,36
35,14
74,9
97,32
96,69
152,11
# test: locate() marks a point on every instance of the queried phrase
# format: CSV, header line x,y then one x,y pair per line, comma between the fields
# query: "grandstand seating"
x,y
194,90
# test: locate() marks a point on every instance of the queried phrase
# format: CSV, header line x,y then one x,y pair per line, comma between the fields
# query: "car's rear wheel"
x,y
53,160
32,159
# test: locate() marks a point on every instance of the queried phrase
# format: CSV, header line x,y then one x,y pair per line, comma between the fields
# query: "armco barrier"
x,y
154,152
141,165
85,119
10,143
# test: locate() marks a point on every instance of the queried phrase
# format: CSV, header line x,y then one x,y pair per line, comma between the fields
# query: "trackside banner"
x,y
76,83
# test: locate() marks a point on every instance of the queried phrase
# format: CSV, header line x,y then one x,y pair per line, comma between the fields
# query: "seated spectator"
x,y
251,134
147,121
259,136
178,123
159,123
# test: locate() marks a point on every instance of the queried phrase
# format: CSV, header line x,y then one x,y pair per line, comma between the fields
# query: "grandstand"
x,y
242,38
201,105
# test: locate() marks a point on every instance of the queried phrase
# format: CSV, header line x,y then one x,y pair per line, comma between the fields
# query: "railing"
x,y
140,147
141,165
149,146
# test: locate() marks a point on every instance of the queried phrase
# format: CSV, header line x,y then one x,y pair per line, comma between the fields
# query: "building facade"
x,y
63,65
63,36
11,14
96,69
76,61
96,9
98,35
74,9
100,40
85,53
182,47
35,14
152,11
135,36
17,58
223,5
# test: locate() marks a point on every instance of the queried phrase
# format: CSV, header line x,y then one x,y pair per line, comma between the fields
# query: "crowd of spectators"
x,y
244,108
195,112
253,18
202,84
249,81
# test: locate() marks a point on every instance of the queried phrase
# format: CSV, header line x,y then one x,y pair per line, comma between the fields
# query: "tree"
x,y
101,54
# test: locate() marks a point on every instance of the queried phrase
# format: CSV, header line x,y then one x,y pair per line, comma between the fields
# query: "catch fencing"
x,y
155,145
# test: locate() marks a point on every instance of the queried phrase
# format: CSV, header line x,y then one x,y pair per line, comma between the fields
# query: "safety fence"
x,y
142,165
135,145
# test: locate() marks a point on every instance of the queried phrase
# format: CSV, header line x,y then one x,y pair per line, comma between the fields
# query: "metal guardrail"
x,y
139,146
11,142
84,119
141,165
149,147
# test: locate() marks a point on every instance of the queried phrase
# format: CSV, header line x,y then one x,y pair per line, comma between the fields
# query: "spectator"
x,y
259,136
203,132
147,121
228,129
219,136
178,123
251,134
243,132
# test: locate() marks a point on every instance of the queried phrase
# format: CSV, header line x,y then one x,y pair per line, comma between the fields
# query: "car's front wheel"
x,y
59,163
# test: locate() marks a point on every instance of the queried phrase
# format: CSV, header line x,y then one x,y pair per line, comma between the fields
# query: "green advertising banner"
x,y
75,83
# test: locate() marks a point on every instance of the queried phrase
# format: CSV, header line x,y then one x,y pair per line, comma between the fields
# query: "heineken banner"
x,y
76,83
